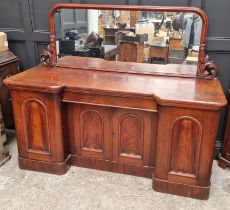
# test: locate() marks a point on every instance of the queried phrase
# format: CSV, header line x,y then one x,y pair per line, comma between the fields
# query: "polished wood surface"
x,y
155,121
96,115
132,68
174,91
224,159
110,116
9,66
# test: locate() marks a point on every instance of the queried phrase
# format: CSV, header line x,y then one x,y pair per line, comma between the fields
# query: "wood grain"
x,y
137,124
180,92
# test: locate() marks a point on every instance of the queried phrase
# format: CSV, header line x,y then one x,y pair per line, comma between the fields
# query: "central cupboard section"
x,y
124,137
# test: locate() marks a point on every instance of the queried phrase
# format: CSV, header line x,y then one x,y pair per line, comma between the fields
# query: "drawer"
x,y
145,104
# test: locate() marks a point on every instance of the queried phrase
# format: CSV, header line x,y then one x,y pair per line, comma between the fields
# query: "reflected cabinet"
x,y
150,120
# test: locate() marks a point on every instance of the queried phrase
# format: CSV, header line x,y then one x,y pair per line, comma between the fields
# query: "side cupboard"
x,y
106,115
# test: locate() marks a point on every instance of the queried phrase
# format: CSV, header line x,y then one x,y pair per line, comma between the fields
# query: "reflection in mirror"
x,y
131,36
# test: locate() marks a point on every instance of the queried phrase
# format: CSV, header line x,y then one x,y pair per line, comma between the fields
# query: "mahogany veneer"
x,y
140,119
159,127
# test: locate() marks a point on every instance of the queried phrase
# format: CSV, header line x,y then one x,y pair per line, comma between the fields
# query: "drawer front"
x,y
111,101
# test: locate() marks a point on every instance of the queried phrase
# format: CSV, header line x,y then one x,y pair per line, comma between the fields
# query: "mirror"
x,y
174,38
151,37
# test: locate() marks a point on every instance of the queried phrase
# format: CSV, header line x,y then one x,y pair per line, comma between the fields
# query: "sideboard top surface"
x,y
100,64
166,90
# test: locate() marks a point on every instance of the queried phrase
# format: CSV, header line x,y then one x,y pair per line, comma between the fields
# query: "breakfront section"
x,y
185,151
123,136
155,121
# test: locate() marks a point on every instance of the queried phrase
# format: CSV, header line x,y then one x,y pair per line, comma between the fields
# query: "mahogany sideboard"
x,y
154,121
159,127
224,159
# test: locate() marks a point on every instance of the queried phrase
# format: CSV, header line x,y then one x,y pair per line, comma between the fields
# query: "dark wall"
x,y
26,23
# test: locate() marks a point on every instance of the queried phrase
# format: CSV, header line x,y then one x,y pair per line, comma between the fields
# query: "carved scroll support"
x,y
48,56
207,69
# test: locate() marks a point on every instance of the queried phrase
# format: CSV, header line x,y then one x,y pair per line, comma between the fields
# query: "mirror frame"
x,y
206,69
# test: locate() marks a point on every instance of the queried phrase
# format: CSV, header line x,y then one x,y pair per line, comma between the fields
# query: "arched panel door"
x,y
133,137
92,132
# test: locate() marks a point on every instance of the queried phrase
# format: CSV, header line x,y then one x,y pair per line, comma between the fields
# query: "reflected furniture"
x,y
177,52
110,52
110,34
9,66
131,51
154,121
224,159
175,44
159,52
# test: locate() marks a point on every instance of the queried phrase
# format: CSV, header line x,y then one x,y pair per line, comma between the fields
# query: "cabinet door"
x,y
92,131
132,137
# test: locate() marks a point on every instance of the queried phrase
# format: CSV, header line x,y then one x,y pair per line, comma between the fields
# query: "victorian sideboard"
x,y
154,121
224,159
159,127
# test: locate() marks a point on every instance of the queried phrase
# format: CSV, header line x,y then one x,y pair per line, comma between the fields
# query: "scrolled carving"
x,y
207,69
45,57
48,56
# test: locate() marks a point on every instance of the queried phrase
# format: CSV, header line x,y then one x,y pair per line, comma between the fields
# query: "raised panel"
x,y
134,136
10,14
131,136
218,18
185,138
19,49
35,119
40,13
92,129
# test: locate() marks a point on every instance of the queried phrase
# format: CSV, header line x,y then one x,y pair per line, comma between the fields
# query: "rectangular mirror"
x,y
131,36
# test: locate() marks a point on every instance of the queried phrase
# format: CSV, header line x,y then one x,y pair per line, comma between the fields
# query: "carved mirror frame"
x,y
206,69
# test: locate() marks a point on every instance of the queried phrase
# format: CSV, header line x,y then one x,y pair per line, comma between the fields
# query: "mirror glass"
x,y
131,36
